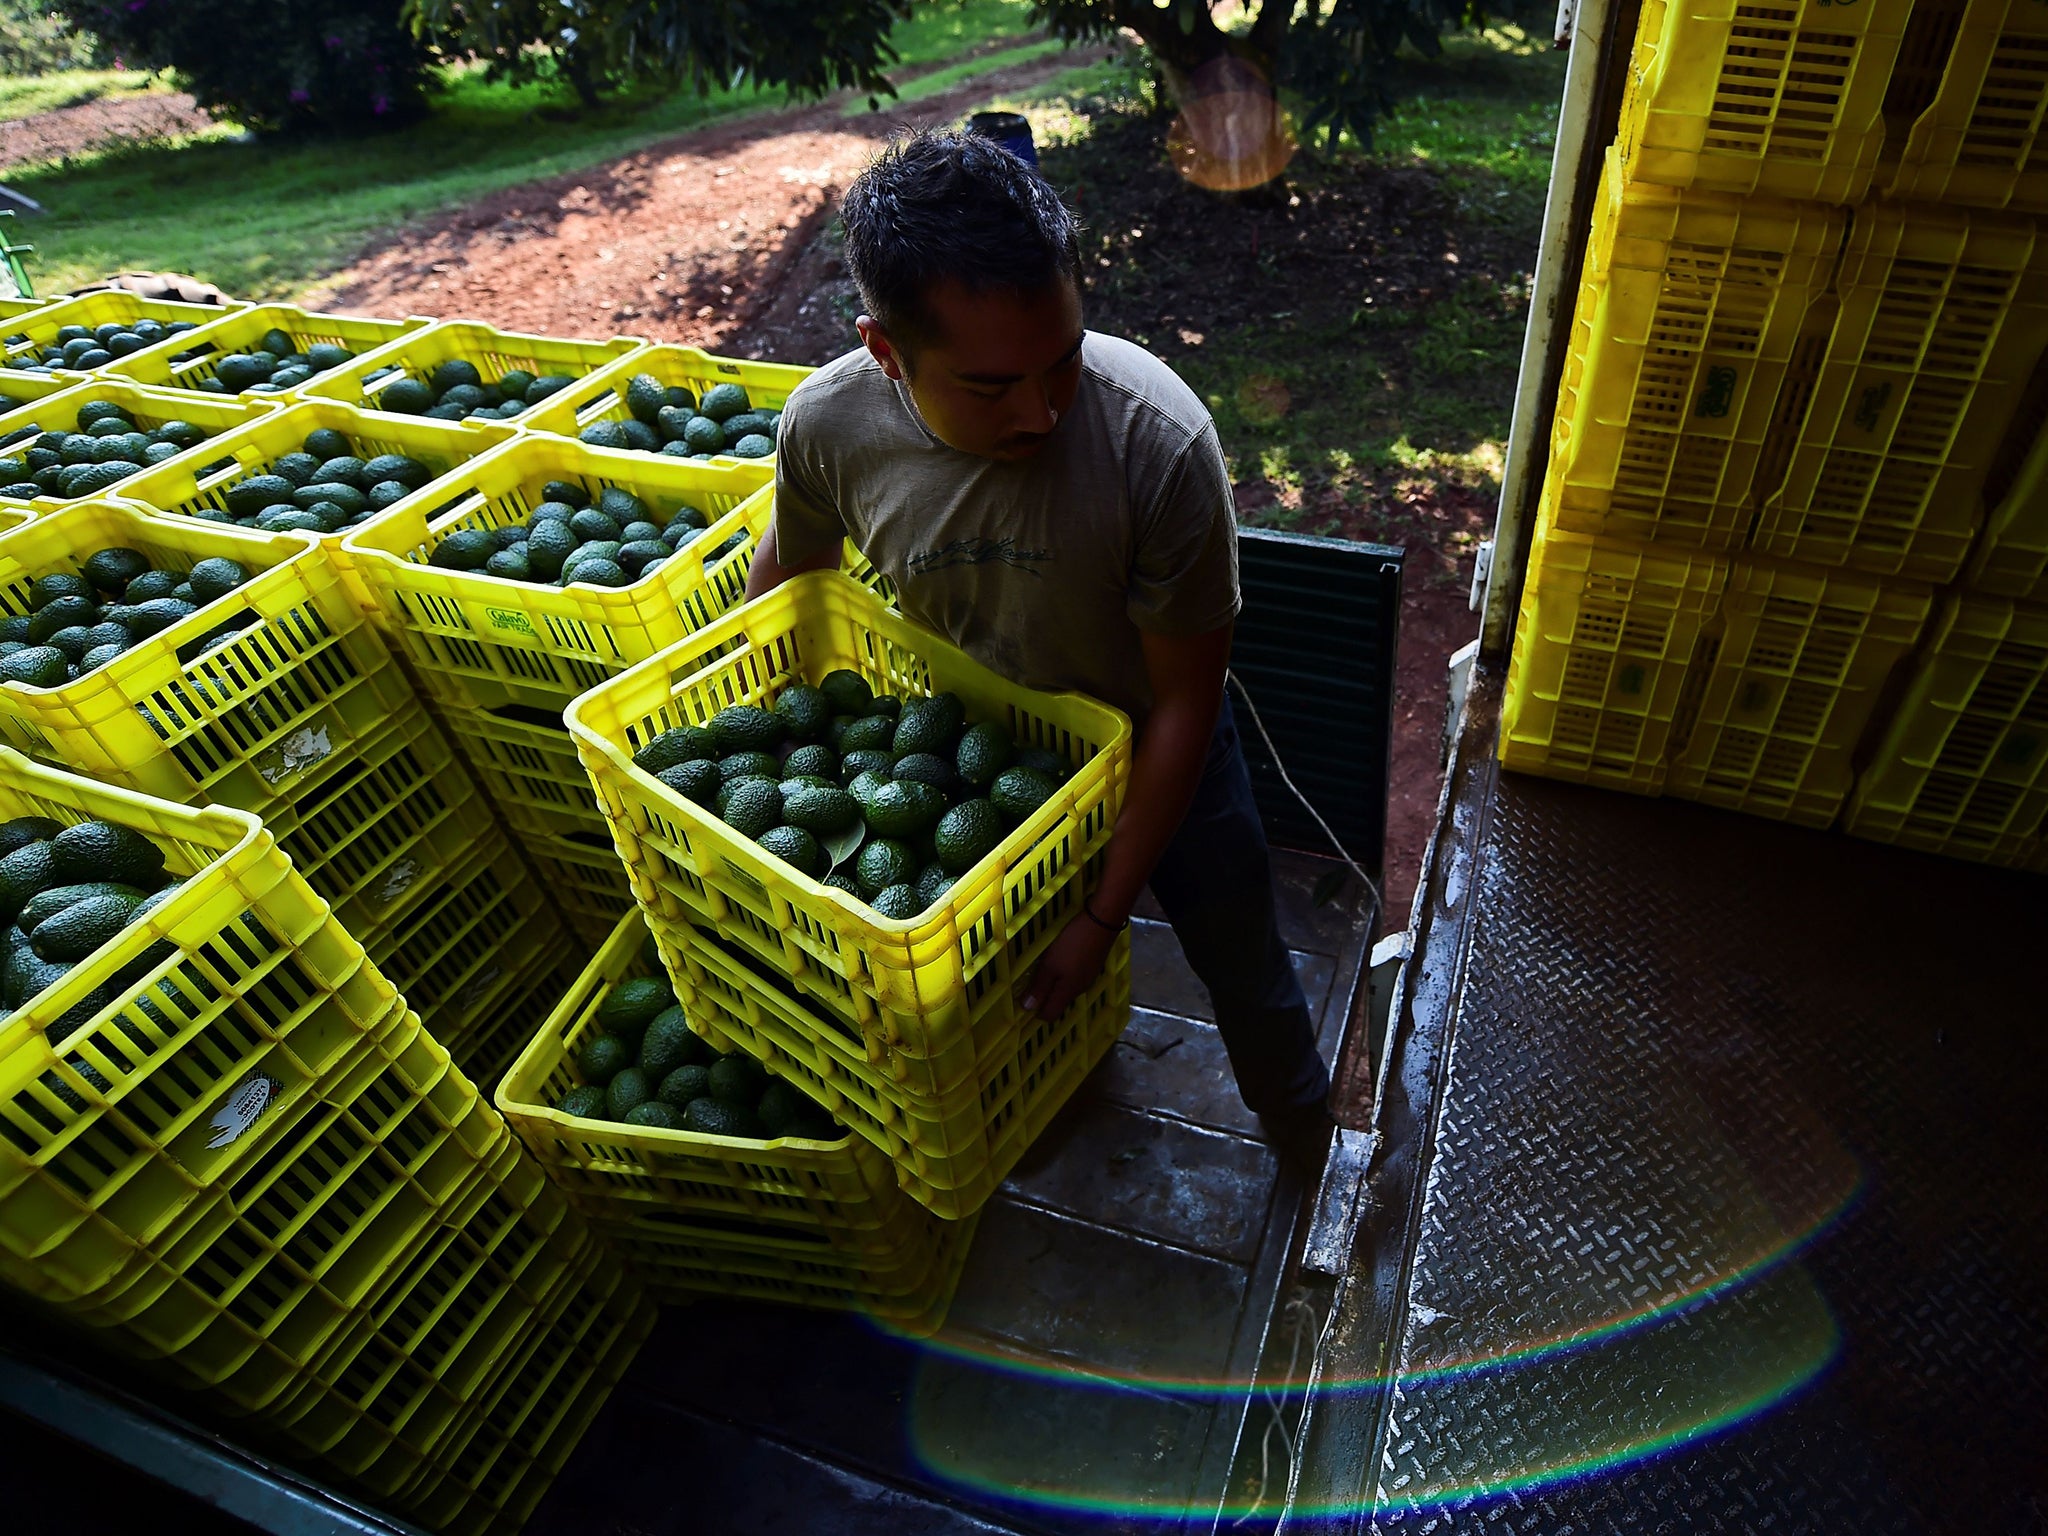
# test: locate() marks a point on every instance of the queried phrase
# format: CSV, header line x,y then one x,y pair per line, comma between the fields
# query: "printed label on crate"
x,y
399,880
512,619
245,1106
296,753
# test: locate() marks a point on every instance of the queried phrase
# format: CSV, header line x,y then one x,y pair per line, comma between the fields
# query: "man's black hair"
x,y
945,204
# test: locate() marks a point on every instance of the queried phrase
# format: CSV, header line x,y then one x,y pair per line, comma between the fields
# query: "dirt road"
x,y
73,130
683,241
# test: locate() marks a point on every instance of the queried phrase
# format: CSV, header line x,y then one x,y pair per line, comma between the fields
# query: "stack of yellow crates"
x,y
419,848
1796,506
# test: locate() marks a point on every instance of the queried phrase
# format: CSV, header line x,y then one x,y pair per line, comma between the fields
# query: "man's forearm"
x,y
768,572
1165,772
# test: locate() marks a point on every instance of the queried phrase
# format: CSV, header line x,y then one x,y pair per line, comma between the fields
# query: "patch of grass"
x,y
946,29
26,95
1334,420
267,219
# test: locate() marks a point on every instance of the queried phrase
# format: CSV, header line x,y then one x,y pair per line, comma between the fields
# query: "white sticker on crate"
x,y
298,751
399,880
245,1106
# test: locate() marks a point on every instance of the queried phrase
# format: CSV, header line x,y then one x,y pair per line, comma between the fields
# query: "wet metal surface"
x,y
1174,1066
1721,1192
1091,1375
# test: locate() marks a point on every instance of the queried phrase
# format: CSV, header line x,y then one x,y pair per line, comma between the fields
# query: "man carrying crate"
x,y
1055,502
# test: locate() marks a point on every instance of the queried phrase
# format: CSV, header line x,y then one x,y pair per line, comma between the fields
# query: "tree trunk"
x,y
1228,134
577,71
1183,40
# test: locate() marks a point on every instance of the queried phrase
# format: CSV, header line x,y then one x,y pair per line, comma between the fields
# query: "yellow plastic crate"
x,y
533,779
601,397
503,1454
395,1150
149,408
522,720
1689,315
1963,769
805,1222
840,1196
18,390
913,988
583,872
1776,98
10,308
526,762
2012,554
460,1394
201,482
1981,71
952,1150
251,723
1786,680
36,328
543,977
383,1399
494,353
197,1067
187,366
680,1262
458,954
1603,639
1943,317
545,644
377,836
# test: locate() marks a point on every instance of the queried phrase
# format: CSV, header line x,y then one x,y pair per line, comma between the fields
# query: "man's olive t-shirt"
x,y
1045,569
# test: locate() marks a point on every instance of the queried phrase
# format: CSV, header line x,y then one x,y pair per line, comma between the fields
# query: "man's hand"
x,y
1068,967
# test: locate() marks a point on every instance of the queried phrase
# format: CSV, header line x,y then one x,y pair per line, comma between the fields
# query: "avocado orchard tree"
x,y
271,64
1337,58
808,47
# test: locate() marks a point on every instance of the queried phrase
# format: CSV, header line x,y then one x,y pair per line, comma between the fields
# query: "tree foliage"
x,y
809,47
36,40
1340,59
271,64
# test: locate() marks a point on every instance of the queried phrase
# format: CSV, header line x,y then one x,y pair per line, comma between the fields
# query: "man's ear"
x,y
880,347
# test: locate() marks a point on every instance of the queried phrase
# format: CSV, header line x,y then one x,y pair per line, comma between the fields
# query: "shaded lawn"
x,y
26,95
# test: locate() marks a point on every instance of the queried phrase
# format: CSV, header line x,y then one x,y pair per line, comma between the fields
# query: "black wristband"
x,y
1089,913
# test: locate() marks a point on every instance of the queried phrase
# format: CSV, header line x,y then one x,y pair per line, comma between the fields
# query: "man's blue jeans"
x,y
1215,884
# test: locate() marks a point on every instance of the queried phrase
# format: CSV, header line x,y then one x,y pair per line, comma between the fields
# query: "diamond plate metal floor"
x,y
1138,1250
1714,1192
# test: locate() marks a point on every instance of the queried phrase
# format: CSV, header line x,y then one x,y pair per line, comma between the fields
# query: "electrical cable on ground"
x,y
1280,766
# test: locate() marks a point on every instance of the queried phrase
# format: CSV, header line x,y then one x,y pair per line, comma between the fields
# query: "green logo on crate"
x,y
1719,394
512,619
1871,406
1630,679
